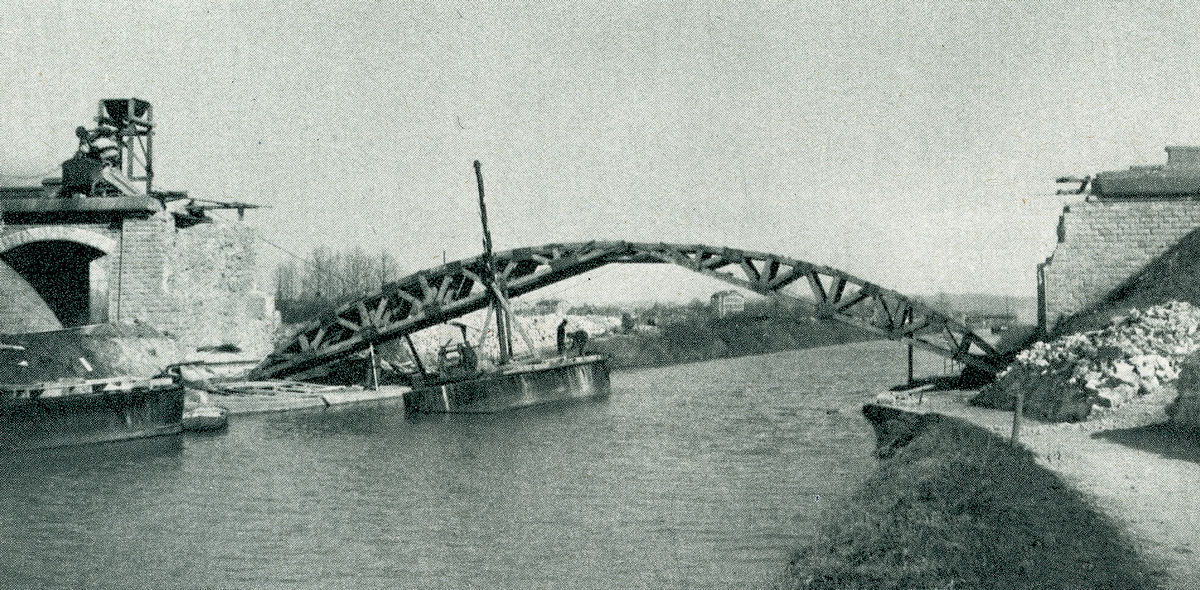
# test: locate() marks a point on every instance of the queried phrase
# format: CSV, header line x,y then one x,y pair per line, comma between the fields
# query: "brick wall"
x,y
1102,244
137,286
196,283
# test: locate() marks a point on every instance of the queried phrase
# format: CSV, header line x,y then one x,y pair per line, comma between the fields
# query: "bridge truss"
x,y
437,295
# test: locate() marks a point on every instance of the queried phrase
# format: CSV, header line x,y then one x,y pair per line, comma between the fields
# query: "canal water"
x,y
697,476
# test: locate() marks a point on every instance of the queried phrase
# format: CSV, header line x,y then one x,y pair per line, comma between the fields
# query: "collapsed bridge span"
x,y
437,295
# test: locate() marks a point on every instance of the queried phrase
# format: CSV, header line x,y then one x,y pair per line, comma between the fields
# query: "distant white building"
x,y
727,302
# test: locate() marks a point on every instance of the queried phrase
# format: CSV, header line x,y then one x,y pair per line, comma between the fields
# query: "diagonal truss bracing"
x,y
436,295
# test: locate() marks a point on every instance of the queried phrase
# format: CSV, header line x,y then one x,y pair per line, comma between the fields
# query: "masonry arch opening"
x,y
70,276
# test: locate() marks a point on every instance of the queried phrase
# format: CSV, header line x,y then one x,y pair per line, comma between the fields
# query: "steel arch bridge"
x,y
437,295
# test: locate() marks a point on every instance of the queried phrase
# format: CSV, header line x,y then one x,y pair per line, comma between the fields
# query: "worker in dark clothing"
x,y
469,359
579,340
81,172
562,337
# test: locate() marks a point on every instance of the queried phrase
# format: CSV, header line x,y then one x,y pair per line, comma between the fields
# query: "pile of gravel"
x,y
1069,378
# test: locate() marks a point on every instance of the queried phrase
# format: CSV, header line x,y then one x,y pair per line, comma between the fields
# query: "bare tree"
x,y
330,277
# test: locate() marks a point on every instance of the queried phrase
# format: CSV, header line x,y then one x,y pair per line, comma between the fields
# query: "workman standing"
x,y
562,337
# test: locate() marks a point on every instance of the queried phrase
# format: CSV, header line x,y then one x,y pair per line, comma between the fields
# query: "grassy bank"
x,y
958,507
696,334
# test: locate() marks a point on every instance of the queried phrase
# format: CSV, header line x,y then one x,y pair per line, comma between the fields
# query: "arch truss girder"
x,y
437,295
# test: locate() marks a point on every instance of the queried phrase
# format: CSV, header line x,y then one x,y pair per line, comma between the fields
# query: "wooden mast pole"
x,y
490,274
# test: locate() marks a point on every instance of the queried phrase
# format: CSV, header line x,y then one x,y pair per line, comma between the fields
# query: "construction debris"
x,y
1069,378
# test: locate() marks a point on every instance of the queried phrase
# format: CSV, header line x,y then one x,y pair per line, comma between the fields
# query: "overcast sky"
x,y
912,144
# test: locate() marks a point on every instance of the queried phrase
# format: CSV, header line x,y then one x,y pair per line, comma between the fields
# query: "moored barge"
x,y
516,385
461,384
89,384
56,414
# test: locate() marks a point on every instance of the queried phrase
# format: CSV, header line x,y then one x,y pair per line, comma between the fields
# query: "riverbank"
x,y
1088,505
701,336
1132,465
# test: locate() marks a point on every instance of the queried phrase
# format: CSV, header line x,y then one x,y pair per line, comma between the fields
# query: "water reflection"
x,y
699,475
94,458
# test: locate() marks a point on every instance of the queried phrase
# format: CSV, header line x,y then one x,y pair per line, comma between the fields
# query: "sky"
x,y
911,144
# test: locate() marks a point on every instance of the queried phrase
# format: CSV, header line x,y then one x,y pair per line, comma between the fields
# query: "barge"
x,y
57,414
462,384
516,385
90,384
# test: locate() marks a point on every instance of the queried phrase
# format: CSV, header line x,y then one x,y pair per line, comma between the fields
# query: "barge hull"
x,y
539,383
78,419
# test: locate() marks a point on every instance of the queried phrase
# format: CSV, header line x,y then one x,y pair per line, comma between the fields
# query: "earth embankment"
x,y
952,505
702,337
88,352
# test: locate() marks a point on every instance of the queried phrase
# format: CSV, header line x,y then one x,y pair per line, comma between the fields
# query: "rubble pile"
x,y
87,352
1066,379
1185,410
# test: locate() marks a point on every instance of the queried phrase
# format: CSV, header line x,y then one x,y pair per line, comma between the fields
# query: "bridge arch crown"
x,y
451,290
76,235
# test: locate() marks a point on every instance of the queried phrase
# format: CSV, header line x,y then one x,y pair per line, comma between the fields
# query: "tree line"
x,y
305,288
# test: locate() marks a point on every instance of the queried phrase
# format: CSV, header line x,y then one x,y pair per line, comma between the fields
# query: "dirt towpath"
x,y
1143,474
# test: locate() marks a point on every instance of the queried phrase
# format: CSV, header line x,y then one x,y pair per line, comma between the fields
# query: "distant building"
x,y
727,302
996,322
